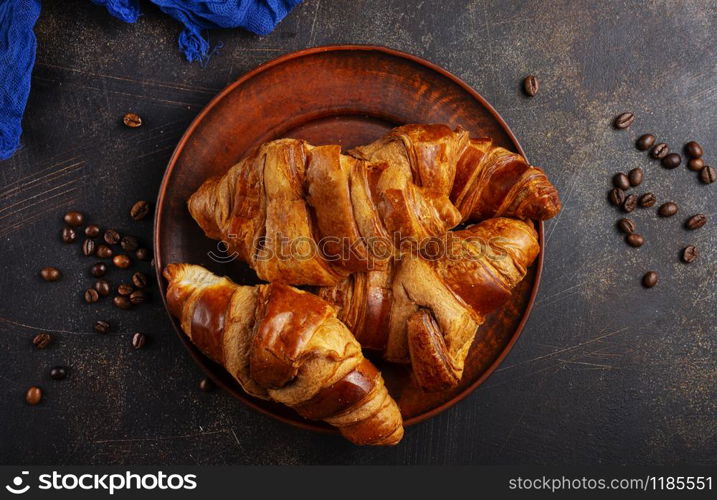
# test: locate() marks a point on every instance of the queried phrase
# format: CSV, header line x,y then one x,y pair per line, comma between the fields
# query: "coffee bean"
x,y
667,209
104,252
121,302
635,176
708,175
111,237
635,240
140,280
696,221
88,247
139,210
695,164
68,234
689,254
659,151
206,385
531,85
645,142
41,340
138,340
98,270
671,161
92,231
102,326
143,254
103,287
58,373
649,279
617,196
132,120
627,226
74,219
91,296
693,150
647,200
124,289
137,297
624,120
33,396
50,273
630,203
621,181
129,243
122,261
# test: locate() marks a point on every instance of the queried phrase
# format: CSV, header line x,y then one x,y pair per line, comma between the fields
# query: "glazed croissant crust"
x,y
285,345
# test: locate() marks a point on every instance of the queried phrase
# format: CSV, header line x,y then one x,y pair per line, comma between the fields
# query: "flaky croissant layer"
x,y
287,346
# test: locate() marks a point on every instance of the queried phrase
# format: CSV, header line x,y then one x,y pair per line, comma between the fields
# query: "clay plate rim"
x,y
158,264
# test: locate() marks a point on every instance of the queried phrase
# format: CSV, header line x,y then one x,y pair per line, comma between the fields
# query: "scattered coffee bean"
x,y
206,385
68,234
88,247
112,237
104,252
121,302
671,161
693,150
621,181
689,254
659,151
624,120
41,340
635,240
98,270
531,85
696,221
645,142
129,243
132,120
91,296
630,203
617,196
124,289
708,175
102,326
58,373
103,287
139,210
143,254
138,340
122,261
92,231
137,297
649,279
33,395
627,226
50,273
635,176
667,209
140,280
74,219
695,164
647,200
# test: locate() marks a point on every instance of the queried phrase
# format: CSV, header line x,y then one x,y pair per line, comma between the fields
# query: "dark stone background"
x,y
605,372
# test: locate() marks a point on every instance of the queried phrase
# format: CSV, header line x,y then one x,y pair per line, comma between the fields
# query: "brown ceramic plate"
x,y
346,95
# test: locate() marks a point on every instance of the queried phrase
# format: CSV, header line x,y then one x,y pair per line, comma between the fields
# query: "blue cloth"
x,y
17,41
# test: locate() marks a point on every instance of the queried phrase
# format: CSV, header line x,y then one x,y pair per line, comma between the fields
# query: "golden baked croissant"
x,y
285,345
426,310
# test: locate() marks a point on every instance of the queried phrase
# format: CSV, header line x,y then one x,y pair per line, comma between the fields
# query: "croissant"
x,y
425,310
310,215
287,346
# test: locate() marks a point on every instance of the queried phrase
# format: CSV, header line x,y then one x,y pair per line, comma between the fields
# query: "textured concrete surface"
x,y
605,372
